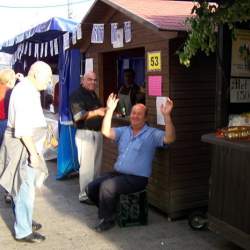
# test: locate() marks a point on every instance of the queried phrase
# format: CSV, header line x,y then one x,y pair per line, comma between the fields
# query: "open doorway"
x,y
114,66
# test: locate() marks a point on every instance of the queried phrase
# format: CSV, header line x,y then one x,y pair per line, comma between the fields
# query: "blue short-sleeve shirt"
x,y
136,153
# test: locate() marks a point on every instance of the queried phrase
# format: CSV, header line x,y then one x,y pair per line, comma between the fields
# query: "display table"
x,y
229,196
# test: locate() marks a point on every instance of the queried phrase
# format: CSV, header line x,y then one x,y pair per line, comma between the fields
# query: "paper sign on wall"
x,y
240,90
240,65
154,61
89,64
159,101
154,85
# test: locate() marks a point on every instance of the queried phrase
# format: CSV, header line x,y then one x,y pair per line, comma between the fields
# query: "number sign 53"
x,y
154,61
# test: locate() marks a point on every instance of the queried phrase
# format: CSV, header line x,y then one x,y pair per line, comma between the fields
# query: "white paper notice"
x,y
159,101
89,65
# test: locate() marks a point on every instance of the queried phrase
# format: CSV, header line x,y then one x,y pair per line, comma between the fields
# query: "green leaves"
x,y
203,26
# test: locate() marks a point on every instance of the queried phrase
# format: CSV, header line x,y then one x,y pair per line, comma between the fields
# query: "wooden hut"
x,y
180,174
229,200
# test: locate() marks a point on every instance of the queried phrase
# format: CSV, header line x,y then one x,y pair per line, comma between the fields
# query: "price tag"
x,y
154,61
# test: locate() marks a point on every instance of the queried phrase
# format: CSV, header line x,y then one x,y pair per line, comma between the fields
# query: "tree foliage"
x,y
204,23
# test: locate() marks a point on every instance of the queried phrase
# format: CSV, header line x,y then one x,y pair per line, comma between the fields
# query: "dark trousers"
x,y
105,190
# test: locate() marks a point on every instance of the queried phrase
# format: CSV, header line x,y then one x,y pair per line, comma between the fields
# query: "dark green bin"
x,y
133,209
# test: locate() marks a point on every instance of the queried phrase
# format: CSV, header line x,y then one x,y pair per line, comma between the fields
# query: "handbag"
x,y
50,140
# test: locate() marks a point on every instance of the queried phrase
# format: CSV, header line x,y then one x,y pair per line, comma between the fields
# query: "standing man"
x,y
87,115
22,167
133,167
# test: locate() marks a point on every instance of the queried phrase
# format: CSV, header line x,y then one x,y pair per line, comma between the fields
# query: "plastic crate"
x,y
133,209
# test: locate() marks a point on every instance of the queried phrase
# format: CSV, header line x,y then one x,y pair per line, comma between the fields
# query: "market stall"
x,y
229,200
120,35
49,41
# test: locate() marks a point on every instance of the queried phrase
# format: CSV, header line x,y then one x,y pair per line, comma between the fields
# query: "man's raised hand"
x,y
167,108
112,102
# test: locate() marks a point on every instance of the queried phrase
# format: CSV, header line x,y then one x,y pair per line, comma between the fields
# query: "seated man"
x,y
136,148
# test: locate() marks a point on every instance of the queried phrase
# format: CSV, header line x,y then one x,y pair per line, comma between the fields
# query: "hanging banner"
x,y
56,46
51,45
74,37
119,42
41,49
18,51
240,65
127,31
21,50
36,53
26,49
79,31
113,32
154,61
66,40
97,35
15,57
30,48
46,49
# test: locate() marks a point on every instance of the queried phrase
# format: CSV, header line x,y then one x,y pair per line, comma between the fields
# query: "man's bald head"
x,y
138,116
88,81
41,74
142,107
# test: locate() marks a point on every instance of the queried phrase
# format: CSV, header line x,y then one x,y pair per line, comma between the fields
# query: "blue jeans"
x,y
3,125
24,203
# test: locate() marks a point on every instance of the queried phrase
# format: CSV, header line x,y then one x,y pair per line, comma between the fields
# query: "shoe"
x,y
33,238
87,201
36,226
104,225
82,197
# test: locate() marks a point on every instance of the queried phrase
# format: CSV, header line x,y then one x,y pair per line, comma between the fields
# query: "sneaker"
x,y
32,238
83,197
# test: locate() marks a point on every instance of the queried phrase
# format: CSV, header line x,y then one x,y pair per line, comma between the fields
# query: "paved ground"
x,y
68,224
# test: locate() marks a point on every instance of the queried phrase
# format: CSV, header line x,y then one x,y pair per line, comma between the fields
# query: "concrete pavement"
x,y
68,224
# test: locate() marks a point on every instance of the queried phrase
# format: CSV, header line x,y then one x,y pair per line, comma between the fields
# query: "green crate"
x,y
133,209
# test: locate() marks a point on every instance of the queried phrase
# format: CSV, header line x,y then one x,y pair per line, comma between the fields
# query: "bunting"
x,y
97,35
127,31
114,32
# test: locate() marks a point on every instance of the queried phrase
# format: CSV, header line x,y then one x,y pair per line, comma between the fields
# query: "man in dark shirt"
x,y
129,93
87,115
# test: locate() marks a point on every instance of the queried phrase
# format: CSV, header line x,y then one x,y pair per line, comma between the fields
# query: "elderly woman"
x,y
7,82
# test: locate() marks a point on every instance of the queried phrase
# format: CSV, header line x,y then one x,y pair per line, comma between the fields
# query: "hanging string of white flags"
x,y
50,48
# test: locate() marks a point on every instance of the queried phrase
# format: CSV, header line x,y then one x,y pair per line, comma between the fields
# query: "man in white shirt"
x,y
25,135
